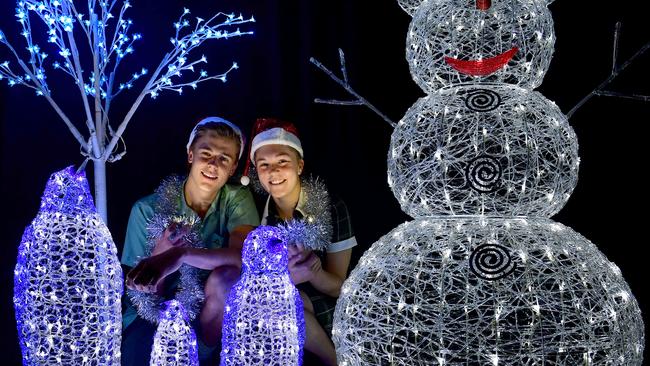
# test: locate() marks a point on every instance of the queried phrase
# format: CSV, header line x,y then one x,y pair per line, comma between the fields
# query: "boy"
x,y
226,212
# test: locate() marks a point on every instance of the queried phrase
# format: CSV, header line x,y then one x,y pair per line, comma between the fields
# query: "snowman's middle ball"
x,y
483,150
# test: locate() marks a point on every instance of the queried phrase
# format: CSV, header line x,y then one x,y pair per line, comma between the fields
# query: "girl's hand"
x,y
304,266
296,250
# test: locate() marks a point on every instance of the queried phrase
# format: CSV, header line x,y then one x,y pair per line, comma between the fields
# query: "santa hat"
x,y
270,131
206,120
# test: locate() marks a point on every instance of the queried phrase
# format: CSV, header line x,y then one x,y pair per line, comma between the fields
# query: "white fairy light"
x,y
479,42
481,162
479,181
108,34
68,281
464,290
174,343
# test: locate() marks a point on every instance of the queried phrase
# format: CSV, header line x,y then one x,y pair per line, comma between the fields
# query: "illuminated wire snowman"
x,y
482,275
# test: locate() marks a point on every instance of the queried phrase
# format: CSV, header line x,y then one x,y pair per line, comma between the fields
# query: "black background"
x,y
347,146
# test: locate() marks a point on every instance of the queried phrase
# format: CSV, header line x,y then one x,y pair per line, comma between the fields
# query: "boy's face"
x,y
213,160
278,168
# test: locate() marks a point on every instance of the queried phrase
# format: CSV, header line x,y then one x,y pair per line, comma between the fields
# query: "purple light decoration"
x,y
175,342
264,322
68,281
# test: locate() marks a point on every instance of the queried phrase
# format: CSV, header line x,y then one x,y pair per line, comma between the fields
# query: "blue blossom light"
x,y
175,342
68,280
102,29
263,320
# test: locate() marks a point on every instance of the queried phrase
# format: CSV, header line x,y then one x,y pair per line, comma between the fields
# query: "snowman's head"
x,y
410,6
452,42
265,250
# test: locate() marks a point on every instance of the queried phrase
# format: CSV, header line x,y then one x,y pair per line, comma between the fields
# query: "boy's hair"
x,y
221,129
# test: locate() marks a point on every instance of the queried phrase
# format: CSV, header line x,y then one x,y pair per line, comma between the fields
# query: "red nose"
x,y
483,4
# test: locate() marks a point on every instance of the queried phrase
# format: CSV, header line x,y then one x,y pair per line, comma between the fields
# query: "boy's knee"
x,y
221,280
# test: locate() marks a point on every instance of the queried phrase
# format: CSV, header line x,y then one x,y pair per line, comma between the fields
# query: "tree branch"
x,y
344,83
600,89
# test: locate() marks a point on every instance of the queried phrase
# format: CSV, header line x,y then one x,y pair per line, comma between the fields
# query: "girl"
x,y
277,155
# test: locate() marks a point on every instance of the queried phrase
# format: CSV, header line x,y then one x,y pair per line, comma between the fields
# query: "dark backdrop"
x,y
346,146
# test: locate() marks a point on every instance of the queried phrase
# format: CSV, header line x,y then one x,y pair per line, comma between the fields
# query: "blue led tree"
x,y
68,280
263,322
101,27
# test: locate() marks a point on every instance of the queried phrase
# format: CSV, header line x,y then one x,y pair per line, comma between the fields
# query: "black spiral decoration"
x,y
491,262
482,100
483,174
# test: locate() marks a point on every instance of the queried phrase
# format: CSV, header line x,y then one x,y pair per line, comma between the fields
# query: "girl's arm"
x,y
329,278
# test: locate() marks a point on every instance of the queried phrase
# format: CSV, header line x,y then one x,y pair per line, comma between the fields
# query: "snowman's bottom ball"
x,y
486,292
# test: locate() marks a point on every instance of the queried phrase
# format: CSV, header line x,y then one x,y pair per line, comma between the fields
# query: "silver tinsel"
x,y
314,230
190,288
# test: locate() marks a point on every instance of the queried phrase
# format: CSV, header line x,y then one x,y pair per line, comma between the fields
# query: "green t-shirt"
x,y
233,206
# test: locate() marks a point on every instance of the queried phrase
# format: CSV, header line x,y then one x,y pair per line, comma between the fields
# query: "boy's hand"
x,y
171,237
149,274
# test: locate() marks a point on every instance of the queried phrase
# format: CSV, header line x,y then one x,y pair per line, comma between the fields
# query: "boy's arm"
x,y
150,272
242,215
135,241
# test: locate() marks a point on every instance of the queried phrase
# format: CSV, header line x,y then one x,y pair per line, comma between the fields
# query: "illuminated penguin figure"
x,y
482,275
68,280
263,320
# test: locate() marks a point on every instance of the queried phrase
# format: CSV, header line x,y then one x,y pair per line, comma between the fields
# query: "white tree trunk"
x,y
99,167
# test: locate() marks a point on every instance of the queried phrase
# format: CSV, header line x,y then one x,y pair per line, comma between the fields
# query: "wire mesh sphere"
x,y
486,292
174,343
479,150
68,281
263,322
452,41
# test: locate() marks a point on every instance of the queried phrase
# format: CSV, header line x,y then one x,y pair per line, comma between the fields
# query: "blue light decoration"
x,y
263,320
102,30
114,42
175,342
68,280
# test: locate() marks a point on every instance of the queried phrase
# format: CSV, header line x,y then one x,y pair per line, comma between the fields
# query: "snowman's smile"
x,y
482,67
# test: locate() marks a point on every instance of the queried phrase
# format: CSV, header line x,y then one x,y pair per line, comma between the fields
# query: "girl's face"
x,y
279,168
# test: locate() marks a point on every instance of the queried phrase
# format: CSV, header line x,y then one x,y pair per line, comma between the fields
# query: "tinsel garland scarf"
x,y
190,288
263,320
314,229
68,280
482,276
